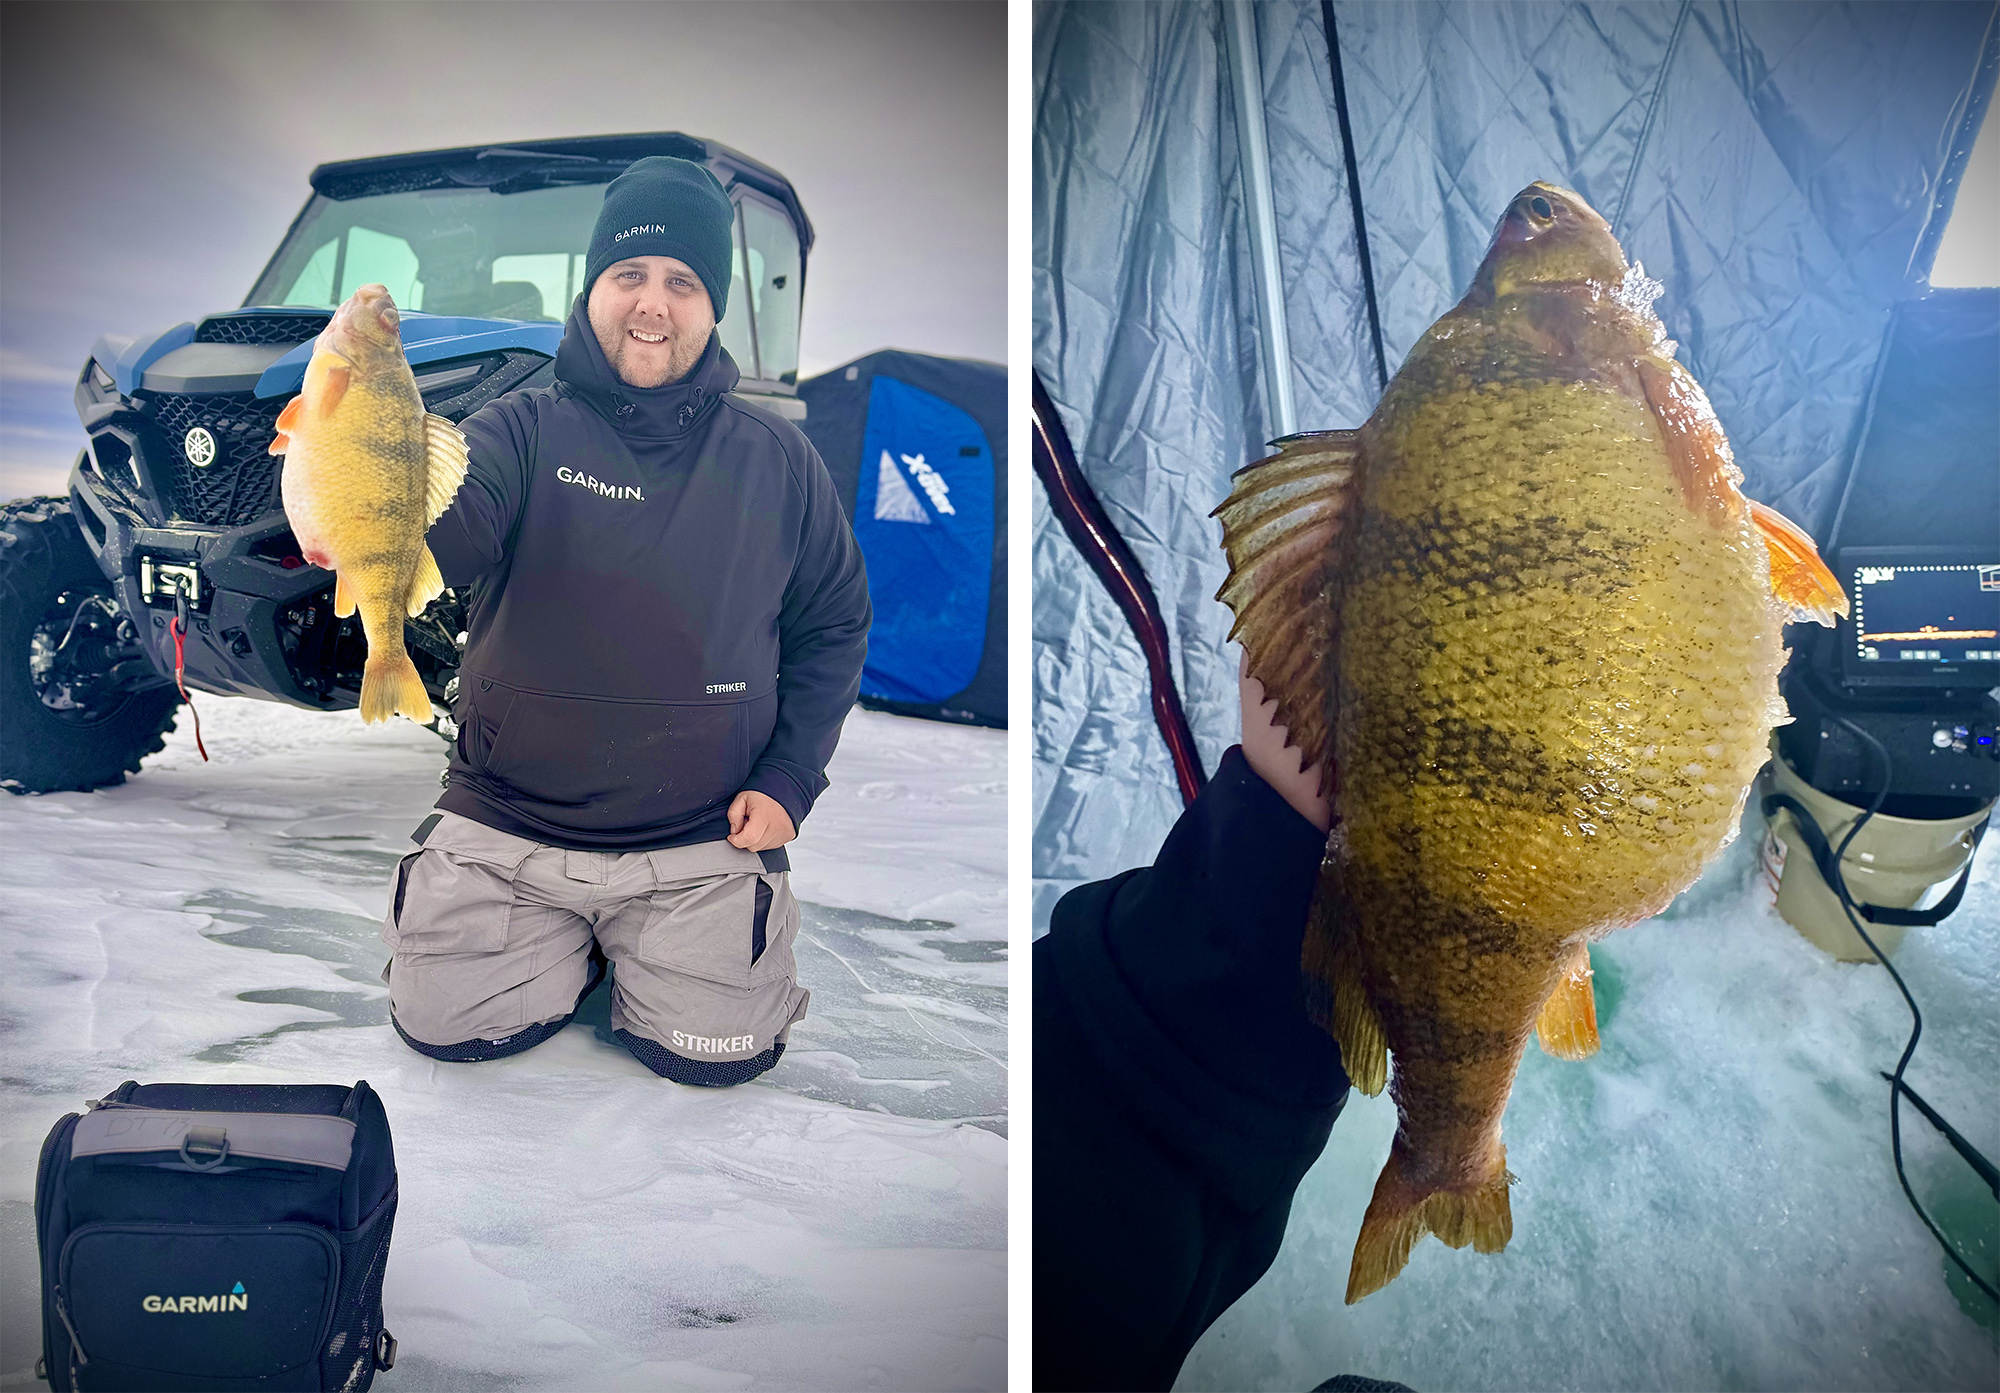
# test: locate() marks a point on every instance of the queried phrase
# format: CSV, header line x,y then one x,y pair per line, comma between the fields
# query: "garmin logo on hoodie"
x,y
237,1300
583,480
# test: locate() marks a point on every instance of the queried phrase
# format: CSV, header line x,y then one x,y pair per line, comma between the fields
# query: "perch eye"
x,y
1541,207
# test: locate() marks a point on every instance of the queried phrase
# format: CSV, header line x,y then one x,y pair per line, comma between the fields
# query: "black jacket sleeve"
x,y
822,643
1181,1093
470,536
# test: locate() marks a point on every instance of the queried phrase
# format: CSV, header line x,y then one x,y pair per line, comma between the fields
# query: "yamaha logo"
x,y
199,447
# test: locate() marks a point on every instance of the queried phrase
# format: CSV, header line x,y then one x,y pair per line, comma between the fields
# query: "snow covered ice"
x,y
567,1219
1708,1203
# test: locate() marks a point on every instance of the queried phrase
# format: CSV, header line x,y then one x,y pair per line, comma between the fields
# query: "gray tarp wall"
x,y
1783,167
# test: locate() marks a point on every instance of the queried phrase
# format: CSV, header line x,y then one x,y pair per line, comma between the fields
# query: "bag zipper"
x,y
77,1357
45,1186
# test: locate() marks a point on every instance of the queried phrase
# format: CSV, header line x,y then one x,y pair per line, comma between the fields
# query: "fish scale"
x,y
1528,618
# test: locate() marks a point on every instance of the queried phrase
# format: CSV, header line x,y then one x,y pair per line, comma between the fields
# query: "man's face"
x,y
652,318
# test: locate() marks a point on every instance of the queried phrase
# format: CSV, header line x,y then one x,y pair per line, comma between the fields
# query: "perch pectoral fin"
x,y
1331,962
1567,1026
1799,579
328,376
288,419
426,585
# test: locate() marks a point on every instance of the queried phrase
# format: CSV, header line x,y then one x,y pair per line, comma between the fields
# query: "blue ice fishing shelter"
x,y
918,448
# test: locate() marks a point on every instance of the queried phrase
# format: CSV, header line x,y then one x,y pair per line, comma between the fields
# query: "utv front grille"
x,y
239,484
261,328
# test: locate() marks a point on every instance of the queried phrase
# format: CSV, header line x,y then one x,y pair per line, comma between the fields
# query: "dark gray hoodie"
x,y
668,607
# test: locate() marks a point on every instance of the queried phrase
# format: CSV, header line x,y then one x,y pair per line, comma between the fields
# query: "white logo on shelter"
x,y
896,501
933,482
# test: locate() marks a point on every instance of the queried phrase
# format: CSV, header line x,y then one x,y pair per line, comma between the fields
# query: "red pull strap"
x,y
179,627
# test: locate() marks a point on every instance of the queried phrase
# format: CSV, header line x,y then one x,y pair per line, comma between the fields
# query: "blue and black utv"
x,y
173,504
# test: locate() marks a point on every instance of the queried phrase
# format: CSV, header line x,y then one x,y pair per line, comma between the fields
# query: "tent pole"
x,y
1240,29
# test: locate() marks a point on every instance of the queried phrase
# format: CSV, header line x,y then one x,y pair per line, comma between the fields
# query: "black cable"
x,y
1896,1086
1354,189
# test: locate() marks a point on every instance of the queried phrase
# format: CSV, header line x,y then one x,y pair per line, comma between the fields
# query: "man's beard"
x,y
683,352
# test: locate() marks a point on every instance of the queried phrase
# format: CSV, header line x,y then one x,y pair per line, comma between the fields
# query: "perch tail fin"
x,y
1402,1212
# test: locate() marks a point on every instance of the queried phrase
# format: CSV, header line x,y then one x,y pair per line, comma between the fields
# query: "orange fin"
x,y
390,687
334,386
1567,1026
1696,446
287,419
1400,1213
343,597
426,585
1332,964
1799,579
1279,525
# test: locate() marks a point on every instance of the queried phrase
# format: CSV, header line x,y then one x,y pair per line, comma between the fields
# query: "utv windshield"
x,y
479,253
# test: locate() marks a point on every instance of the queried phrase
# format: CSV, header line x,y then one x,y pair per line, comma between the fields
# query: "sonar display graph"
x,y
1934,613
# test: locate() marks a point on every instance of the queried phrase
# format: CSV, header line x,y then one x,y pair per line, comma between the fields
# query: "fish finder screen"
x,y
1926,614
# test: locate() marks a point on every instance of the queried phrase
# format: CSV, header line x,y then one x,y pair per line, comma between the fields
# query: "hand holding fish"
x,y
1528,617
366,472
1275,759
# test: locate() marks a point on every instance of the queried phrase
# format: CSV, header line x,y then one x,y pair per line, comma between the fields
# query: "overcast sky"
x,y
153,154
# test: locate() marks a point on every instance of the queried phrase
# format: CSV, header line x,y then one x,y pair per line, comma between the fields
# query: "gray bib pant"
x,y
496,940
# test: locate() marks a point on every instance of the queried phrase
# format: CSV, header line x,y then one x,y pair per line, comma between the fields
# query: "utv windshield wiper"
x,y
506,171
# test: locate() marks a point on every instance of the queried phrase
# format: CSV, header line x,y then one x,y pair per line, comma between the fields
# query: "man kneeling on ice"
x,y
667,626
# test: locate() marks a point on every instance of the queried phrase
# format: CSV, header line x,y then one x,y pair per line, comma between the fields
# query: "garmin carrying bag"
x,y
217,1236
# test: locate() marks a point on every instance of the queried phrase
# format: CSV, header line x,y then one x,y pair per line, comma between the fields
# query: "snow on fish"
x,y
1529,628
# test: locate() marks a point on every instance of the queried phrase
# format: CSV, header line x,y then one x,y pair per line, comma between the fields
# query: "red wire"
x,y
180,666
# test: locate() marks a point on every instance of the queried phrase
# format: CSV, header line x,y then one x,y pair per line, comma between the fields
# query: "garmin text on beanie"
x,y
662,206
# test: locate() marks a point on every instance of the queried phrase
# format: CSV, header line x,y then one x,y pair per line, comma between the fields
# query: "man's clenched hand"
x,y
759,822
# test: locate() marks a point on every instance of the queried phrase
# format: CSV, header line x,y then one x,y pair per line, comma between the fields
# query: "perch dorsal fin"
x,y
1279,528
445,448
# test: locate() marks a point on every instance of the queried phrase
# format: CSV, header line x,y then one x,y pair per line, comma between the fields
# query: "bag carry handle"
x,y
1823,857
215,1139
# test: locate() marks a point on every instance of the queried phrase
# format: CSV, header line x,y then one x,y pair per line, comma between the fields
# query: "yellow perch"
x,y
1527,615
366,473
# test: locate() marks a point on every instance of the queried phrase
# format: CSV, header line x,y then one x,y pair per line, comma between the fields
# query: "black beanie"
x,y
661,206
